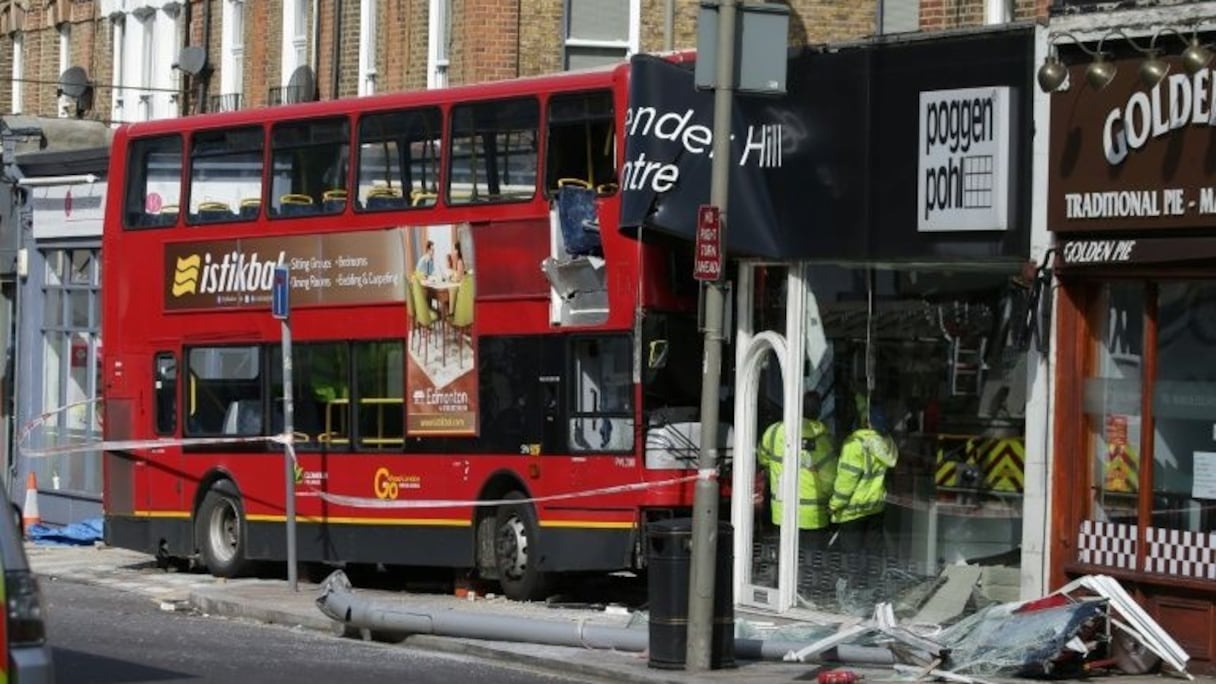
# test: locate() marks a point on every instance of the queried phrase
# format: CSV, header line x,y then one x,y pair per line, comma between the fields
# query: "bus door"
x,y
160,487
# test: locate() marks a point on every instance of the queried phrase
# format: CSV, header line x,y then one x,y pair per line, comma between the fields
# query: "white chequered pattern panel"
x,y
1110,544
1177,552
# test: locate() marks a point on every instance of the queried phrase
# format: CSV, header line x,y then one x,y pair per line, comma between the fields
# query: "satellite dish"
x,y
302,86
192,60
74,82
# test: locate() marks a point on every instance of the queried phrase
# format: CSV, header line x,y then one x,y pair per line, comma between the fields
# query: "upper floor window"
x,y
310,164
493,151
295,37
18,72
367,47
232,66
67,106
439,38
154,182
399,159
900,16
225,175
600,32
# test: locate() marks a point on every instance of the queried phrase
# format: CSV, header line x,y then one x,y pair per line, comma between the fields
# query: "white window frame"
x,y
147,54
67,105
18,72
630,43
367,47
232,63
295,38
439,38
119,40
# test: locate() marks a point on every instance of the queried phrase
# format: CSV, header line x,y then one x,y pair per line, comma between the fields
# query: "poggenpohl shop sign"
x,y
963,172
1130,157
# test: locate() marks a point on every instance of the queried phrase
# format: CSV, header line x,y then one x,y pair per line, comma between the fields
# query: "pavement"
x,y
271,600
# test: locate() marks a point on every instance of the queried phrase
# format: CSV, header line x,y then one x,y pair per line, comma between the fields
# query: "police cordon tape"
x,y
287,440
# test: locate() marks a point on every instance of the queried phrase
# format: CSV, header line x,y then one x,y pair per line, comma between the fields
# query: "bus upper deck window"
x,y
581,144
310,167
225,175
493,155
399,159
154,182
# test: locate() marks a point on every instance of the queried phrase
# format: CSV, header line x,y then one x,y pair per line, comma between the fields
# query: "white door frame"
x,y
750,350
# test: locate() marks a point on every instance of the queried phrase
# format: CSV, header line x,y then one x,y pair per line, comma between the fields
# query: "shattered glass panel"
x,y
1026,639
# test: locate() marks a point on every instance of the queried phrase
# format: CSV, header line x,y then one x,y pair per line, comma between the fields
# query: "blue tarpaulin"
x,y
82,533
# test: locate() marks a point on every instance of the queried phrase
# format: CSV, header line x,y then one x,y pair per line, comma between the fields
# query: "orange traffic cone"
x,y
29,513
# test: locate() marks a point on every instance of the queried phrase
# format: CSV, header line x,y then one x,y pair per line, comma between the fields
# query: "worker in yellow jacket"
x,y
859,493
816,473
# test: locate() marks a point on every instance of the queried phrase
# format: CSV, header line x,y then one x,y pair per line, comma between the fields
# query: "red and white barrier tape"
x,y
287,440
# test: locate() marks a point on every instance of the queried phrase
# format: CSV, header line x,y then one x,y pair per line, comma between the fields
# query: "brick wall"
x,y
490,41
485,40
541,36
408,48
347,49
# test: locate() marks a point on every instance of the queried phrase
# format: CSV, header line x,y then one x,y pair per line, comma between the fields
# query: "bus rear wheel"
x,y
515,552
221,534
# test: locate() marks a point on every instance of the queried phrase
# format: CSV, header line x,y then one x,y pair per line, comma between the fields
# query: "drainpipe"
x,y
669,20
997,12
204,78
187,82
334,61
314,61
338,601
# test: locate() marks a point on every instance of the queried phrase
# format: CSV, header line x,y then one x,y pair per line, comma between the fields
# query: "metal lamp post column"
x,y
707,491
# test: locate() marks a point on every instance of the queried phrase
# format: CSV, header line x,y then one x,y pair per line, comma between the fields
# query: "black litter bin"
x,y
669,558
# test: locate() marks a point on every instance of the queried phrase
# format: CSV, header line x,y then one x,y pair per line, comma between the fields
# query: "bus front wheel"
x,y
515,551
221,533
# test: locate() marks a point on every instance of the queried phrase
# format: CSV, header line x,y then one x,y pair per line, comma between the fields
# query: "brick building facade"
x,y
397,40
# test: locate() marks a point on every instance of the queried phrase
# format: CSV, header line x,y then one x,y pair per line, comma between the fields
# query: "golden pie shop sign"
x,y
1131,157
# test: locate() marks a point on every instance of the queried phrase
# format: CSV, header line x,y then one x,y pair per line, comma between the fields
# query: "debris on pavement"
x,y
1090,624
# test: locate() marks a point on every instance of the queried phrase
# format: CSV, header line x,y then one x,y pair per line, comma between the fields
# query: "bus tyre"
x,y
514,550
221,534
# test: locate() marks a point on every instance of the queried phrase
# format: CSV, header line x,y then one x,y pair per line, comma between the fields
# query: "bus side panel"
x,y
394,544
576,550
146,534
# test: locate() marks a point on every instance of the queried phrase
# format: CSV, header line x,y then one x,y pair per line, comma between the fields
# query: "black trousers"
x,y
863,548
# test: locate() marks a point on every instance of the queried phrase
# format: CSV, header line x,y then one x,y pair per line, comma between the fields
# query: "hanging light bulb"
x,y
1052,74
1100,73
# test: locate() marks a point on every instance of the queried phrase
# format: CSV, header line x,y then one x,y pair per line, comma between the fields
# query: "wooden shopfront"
x,y
1132,203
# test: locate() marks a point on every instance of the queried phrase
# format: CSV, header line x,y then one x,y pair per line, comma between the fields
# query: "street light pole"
x,y
707,491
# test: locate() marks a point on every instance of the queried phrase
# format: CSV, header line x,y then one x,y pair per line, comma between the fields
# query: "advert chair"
x,y
462,317
425,321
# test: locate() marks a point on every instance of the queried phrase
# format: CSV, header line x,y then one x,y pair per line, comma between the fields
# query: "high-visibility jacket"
x,y
816,471
860,487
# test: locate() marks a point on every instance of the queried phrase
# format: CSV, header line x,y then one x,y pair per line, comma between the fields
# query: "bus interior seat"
x,y
421,198
249,208
384,198
294,204
578,219
333,201
244,417
211,212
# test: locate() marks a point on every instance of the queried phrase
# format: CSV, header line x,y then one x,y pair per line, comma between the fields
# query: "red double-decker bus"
x,y
486,374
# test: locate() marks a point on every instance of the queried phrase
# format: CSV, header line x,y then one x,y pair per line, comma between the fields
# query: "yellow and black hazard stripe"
x,y
1001,461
